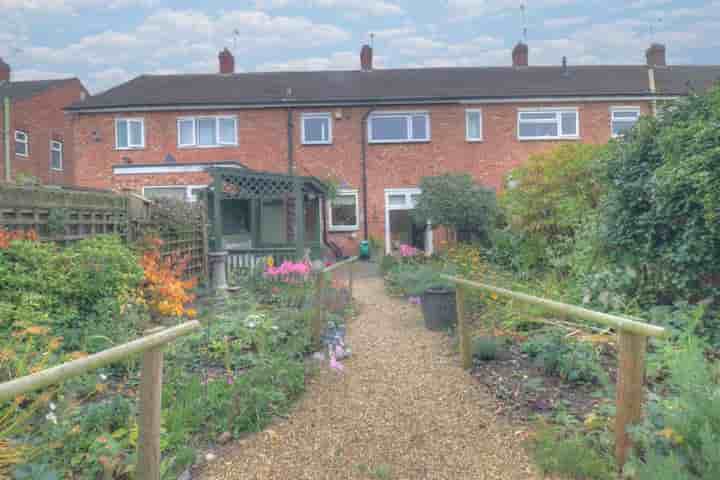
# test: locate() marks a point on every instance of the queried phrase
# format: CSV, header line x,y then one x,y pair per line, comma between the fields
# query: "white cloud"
x,y
388,33
39,74
648,3
562,22
466,9
70,6
367,7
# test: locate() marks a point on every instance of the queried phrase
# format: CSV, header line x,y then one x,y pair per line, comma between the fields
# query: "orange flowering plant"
x,y
6,237
163,290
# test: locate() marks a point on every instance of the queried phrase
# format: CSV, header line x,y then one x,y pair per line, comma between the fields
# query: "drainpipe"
x,y
363,159
6,137
290,140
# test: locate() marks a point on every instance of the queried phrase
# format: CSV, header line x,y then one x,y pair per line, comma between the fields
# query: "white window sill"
x,y
380,142
24,155
123,149
474,140
316,143
205,147
343,229
56,169
545,139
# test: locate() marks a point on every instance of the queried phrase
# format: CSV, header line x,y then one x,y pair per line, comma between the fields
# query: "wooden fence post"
x,y
462,328
350,279
318,320
148,446
630,385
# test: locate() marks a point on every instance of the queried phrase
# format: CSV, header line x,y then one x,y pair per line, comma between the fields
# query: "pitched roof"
x,y
683,79
27,89
376,86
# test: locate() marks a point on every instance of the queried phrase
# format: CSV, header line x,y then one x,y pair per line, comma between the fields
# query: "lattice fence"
x,y
62,215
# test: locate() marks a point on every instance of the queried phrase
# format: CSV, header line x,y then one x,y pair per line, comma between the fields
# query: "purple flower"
x,y
415,300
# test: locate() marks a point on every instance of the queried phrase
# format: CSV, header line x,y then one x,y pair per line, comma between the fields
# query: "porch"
x,y
260,214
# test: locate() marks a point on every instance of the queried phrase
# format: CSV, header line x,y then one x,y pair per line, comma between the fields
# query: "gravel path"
x,y
403,410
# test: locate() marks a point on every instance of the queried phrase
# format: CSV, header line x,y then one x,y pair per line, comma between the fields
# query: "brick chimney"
x,y
4,71
655,55
366,58
520,55
227,61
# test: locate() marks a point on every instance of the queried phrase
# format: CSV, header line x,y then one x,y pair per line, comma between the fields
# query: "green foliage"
x,y
566,358
485,348
413,279
457,202
681,432
552,192
387,263
570,456
661,211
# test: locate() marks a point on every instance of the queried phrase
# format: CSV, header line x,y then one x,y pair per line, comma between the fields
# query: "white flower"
x,y
275,327
52,406
103,377
51,416
251,324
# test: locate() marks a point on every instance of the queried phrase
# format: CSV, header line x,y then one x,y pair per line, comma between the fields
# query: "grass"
x,y
572,457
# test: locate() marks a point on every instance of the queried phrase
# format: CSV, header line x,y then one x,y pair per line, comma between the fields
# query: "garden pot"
x,y
438,307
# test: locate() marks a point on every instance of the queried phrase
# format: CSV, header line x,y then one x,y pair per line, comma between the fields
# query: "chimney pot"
x,y
227,61
366,58
4,71
655,55
520,55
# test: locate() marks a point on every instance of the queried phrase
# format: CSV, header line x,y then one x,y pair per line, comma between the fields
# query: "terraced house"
x,y
35,136
375,132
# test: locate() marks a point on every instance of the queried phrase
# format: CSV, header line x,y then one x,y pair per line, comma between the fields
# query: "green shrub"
x,y
572,457
387,263
485,348
413,279
571,360
457,202
661,212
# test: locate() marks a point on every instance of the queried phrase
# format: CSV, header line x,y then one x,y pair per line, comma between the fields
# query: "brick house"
x,y
375,132
38,139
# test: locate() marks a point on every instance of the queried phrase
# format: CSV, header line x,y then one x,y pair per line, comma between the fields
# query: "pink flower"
x,y
408,251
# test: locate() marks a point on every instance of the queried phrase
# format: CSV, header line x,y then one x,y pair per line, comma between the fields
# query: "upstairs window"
x,y
22,143
548,124
623,119
129,133
56,155
316,129
399,127
473,125
344,211
207,131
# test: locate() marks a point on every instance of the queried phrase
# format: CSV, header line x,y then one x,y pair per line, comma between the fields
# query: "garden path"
x,y
402,410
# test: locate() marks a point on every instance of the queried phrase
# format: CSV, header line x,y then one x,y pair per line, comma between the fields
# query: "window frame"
x,y
344,228
196,133
53,144
310,115
408,115
468,112
128,120
188,189
621,108
558,121
26,142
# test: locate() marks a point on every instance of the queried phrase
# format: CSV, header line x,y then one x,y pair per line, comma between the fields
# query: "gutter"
x,y
363,160
653,90
290,141
6,138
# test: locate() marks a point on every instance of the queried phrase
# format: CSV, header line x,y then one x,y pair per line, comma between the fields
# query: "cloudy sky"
x,y
105,42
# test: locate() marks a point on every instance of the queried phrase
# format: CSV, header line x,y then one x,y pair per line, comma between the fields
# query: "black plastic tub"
x,y
438,307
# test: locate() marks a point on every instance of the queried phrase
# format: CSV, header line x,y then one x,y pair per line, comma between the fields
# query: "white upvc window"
x,y
22,143
206,132
399,127
56,155
316,128
623,119
185,193
344,211
473,125
129,133
548,124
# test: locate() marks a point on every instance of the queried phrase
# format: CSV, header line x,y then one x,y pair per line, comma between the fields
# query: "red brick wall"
x,y
262,145
42,117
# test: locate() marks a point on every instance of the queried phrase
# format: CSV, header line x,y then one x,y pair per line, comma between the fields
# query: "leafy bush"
x,y
552,193
413,279
571,360
457,202
681,431
485,348
661,211
573,457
